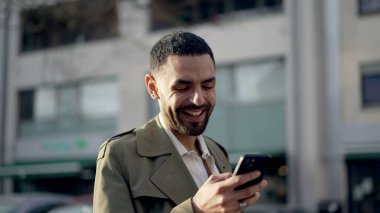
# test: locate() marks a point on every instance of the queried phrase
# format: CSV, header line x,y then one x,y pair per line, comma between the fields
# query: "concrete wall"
x,y
360,45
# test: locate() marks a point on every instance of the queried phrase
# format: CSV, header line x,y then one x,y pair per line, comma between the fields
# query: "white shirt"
x,y
191,158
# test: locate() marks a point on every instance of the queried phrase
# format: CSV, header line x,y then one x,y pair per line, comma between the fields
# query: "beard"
x,y
186,127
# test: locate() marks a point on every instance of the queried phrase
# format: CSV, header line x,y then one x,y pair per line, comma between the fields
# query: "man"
x,y
167,165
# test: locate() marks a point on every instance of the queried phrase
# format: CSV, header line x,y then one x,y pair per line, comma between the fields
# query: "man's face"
x,y
186,90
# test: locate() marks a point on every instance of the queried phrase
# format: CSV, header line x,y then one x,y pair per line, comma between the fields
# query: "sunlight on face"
x,y
186,87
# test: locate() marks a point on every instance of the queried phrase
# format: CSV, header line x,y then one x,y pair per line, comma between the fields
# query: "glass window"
x,y
169,13
259,81
363,182
371,88
68,109
78,107
99,99
26,105
67,22
370,85
250,109
368,6
46,105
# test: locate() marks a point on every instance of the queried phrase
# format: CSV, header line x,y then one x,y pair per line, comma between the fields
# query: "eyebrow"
x,y
180,81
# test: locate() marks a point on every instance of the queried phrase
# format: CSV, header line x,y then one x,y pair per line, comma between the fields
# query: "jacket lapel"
x,y
172,177
221,160
174,180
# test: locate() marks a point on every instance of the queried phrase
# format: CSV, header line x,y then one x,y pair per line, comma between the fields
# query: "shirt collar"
x,y
179,146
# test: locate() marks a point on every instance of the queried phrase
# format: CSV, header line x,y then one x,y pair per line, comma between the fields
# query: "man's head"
x,y
182,79
177,43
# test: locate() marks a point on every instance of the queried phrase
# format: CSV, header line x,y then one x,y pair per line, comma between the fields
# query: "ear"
x,y
151,86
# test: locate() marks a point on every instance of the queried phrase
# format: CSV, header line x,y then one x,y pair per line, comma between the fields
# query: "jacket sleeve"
x,y
184,207
112,192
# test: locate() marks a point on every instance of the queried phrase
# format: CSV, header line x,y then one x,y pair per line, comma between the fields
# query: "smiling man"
x,y
167,165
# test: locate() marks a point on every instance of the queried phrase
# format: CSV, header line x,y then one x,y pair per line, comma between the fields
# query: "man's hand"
x,y
218,193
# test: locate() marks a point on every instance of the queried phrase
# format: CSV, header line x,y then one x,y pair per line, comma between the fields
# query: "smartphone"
x,y
252,162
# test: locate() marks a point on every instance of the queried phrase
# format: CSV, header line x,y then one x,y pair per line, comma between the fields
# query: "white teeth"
x,y
194,113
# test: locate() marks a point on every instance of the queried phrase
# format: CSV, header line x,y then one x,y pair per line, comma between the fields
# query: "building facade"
x,y
296,79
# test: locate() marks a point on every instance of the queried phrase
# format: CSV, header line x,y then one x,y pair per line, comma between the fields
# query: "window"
x,y
258,81
94,97
67,22
45,104
26,106
363,182
67,113
370,85
367,7
78,107
170,13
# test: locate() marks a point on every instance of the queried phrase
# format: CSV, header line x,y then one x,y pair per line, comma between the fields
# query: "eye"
x,y
181,88
208,86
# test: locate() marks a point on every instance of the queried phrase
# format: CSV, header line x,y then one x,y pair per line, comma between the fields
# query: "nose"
x,y
198,97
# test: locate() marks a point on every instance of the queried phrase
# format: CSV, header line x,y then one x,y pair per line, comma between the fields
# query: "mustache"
x,y
194,107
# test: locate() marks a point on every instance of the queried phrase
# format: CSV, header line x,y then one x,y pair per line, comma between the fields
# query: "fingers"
x,y
238,180
218,193
244,203
252,200
251,191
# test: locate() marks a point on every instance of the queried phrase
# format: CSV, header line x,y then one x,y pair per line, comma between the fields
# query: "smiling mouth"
x,y
193,113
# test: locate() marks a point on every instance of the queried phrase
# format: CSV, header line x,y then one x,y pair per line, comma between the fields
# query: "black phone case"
x,y
251,162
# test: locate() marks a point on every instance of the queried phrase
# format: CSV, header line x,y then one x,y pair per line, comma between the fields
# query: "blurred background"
x,y
298,79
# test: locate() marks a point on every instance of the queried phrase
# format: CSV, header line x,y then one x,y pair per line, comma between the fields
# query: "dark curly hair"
x,y
177,43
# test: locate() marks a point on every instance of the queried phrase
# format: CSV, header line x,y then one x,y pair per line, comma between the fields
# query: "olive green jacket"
x,y
141,171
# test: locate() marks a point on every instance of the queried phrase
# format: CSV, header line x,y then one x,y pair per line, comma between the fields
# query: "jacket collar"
x,y
153,140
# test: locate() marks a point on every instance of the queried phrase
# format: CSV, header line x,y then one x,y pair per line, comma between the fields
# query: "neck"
x,y
187,141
